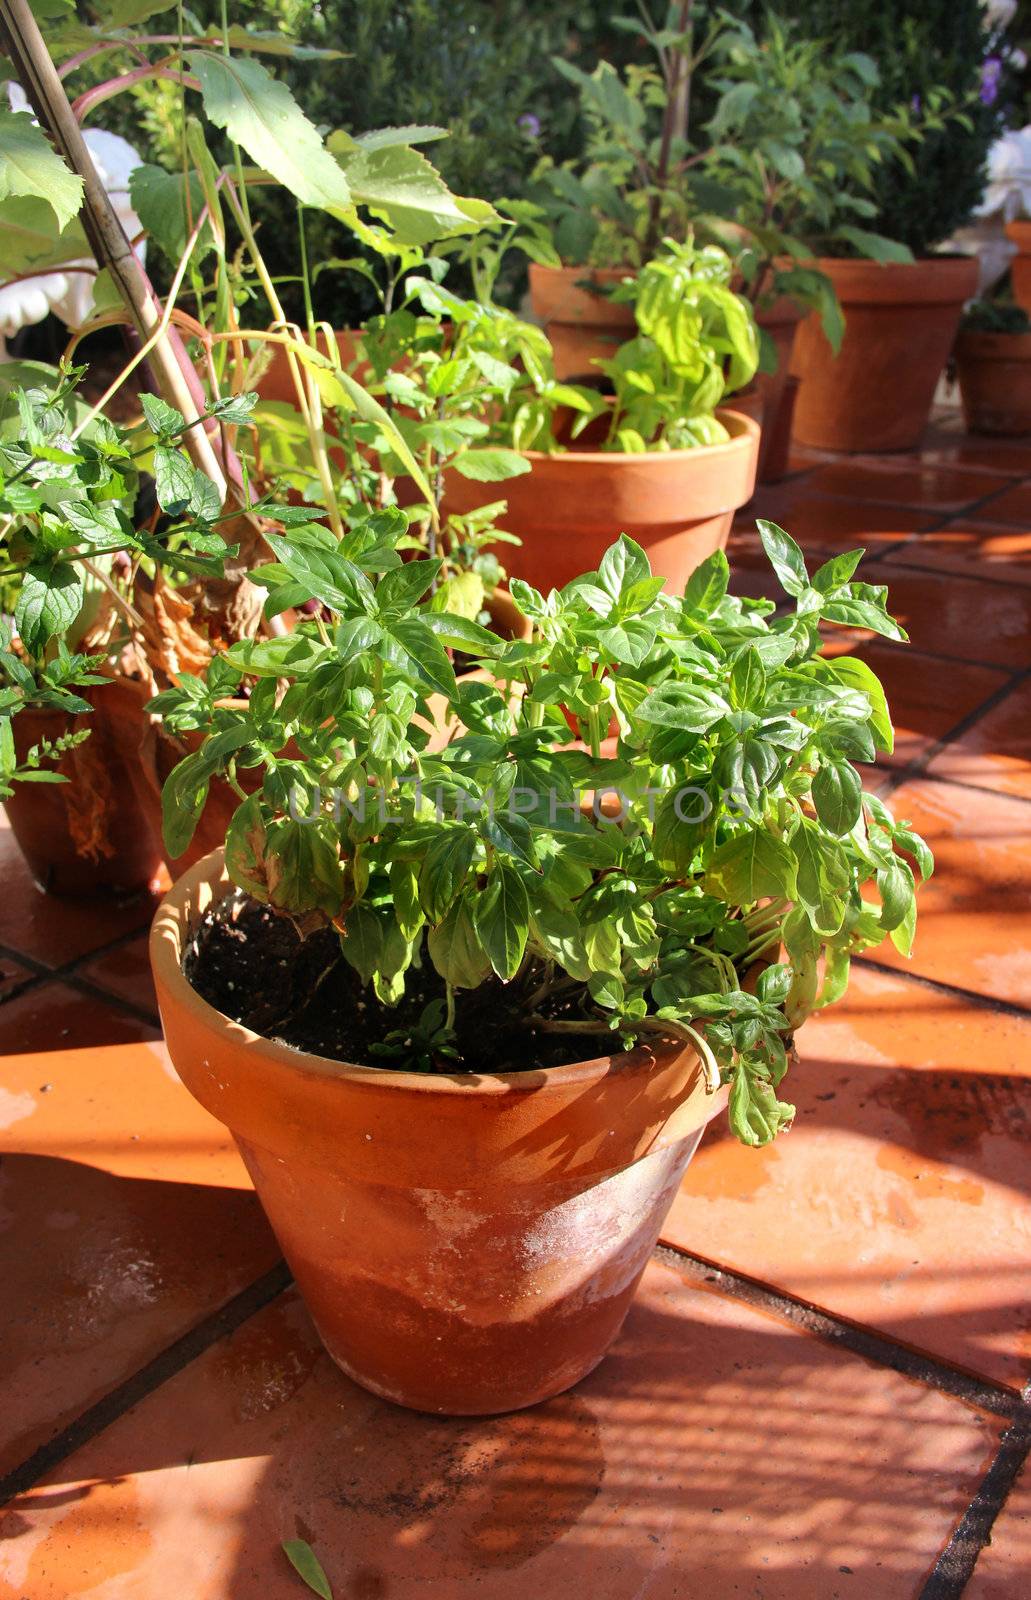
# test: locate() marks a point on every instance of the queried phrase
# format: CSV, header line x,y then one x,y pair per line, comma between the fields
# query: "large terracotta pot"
x,y
87,836
567,510
466,1244
1020,266
573,307
994,371
900,321
777,389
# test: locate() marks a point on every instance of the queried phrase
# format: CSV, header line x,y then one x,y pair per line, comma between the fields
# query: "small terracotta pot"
x,y
88,836
567,510
572,306
466,1244
994,371
1020,266
900,321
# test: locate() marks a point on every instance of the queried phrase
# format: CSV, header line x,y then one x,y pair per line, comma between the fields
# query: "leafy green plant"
x,y
72,550
473,386
922,48
740,834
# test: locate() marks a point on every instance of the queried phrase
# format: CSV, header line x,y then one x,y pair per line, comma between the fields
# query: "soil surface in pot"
x,y
251,964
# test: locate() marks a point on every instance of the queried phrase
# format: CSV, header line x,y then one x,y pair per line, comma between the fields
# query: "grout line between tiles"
x,y
917,768
150,1377
955,1566
860,1341
1009,1008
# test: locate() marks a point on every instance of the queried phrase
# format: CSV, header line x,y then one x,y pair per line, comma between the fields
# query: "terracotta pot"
x,y
900,321
87,836
777,432
1020,266
677,504
466,1244
777,389
277,384
572,306
994,371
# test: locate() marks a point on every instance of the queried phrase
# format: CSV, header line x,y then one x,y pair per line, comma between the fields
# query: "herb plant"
x,y
447,826
73,552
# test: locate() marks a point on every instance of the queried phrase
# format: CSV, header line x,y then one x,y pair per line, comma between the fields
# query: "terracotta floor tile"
x,y
899,1198
968,547
54,1016
1003,1565
125,972
905,482
127,1218
715,1451
825,523
974,927
1012,506
12,975
961,619
53,929
912,681
995,753
978,452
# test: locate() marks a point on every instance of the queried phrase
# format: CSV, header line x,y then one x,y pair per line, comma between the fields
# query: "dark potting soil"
x,y
251,964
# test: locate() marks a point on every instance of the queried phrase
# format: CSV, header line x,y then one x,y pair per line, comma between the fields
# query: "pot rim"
x,y
743,431
173,925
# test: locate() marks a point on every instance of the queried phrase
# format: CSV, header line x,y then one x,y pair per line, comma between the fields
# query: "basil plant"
x,y
645,821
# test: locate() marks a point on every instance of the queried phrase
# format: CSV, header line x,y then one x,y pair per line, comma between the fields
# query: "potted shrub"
x,y
651,456
467,1020
993,367
902,318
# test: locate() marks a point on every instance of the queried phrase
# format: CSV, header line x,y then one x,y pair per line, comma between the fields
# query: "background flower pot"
x,y
677,504
994,371
466,1244
778,390
87,836
900,321
1020,266
580,324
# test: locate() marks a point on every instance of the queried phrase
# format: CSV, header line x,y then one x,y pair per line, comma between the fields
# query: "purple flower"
x,y
529,124
915,105
991,75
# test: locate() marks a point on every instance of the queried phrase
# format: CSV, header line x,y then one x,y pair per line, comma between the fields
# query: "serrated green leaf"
x,y
260,114
48,603
31,168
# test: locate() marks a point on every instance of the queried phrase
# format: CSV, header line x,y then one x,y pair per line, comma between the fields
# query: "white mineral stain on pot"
x,y
15,1107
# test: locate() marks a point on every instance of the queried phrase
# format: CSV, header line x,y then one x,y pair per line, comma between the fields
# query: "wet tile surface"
x,y
899,1199
55,1016
957,618
55,929
929,486
967,548
715,1450
124,971
974,928
995,753
125,1218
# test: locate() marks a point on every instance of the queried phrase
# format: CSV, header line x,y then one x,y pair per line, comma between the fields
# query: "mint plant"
x,y
72,550
704,873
